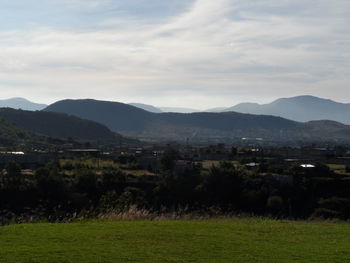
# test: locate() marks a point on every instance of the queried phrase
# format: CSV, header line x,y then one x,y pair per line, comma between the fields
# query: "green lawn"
x,y
231,240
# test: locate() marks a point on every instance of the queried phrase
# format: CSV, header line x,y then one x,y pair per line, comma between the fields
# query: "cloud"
x,y
221,51
82,3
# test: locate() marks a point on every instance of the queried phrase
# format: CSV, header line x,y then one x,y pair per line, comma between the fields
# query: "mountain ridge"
x,y
300,108
130,120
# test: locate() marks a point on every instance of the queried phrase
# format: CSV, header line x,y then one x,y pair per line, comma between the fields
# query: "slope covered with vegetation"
x,y
12,135
59,125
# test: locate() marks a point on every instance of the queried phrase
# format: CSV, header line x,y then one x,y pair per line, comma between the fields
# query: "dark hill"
x,y
117,116
58,125
14,136
130,120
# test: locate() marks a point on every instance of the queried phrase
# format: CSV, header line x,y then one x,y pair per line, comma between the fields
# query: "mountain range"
x,y
132,121
101,120
300,108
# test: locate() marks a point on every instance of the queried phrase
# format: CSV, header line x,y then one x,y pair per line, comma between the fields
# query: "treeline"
x,y
62,190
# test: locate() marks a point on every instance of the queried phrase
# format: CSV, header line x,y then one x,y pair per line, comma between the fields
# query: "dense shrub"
x,y
92,186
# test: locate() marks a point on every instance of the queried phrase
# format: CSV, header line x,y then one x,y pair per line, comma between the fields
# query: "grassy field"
x,y
338,168
216,241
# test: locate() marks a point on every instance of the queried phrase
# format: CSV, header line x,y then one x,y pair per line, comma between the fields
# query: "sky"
x,y
186,53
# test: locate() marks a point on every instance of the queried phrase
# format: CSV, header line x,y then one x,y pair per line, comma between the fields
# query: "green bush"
x,y
333,207
275,204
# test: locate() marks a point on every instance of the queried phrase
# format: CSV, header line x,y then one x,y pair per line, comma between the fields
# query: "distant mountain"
x,y
151,108
218,109
178,109
301,108
21,103
146,107
136,122
58,125
154,109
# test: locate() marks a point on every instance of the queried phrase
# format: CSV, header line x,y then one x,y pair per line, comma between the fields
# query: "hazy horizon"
x,y
169,106
198,54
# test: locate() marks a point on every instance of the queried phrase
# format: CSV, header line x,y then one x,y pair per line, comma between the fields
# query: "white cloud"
x,y
222,51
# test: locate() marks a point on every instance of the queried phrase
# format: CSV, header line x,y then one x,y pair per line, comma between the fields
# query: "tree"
x,y
222,186
168,159
86,182
13,171
114,180
51,186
